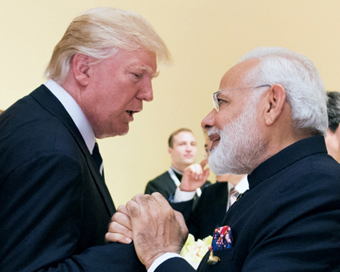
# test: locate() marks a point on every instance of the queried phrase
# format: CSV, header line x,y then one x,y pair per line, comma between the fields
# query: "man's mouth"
x,y
214,139
131,113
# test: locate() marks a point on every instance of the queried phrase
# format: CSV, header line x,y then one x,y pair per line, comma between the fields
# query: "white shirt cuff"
x,y
162,259
181,196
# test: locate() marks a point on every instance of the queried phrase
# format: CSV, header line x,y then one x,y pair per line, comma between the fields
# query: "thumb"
x,y
183,226
204,163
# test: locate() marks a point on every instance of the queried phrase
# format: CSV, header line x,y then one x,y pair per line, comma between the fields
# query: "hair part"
x,y
304,88
333,110
172,135
100,33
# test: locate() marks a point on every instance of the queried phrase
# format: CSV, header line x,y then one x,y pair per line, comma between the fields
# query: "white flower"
x,y
193,251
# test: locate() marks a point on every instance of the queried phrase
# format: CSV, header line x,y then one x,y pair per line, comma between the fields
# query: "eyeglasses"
x,y
215,95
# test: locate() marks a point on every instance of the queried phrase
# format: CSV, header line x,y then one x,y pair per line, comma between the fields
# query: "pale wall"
x,y
205,37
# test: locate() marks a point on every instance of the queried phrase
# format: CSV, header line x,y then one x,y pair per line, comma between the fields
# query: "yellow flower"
x,y
193,251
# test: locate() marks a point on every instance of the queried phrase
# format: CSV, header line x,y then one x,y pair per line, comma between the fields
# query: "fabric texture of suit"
x,y
55,206
165,185
162,184
209,211
289,218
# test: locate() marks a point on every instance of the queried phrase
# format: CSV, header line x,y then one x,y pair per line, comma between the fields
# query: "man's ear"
x,y
80,66
275,101
169,150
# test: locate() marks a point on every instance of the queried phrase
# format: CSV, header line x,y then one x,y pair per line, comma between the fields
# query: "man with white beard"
x,y
269,122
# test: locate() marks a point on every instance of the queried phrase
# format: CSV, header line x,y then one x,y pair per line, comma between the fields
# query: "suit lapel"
x,y
51,104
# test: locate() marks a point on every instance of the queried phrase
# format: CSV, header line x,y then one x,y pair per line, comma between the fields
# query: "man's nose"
x,y
208,121
146,93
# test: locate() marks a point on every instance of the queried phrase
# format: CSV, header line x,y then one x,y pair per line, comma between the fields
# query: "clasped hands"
x,y
151,223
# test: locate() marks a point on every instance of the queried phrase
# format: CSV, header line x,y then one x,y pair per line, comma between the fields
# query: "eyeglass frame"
x,y
215,94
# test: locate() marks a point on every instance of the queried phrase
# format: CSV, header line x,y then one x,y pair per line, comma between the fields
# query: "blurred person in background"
x,y
182,148
333,131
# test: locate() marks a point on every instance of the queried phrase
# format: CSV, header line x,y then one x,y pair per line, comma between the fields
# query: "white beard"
x,y
241,145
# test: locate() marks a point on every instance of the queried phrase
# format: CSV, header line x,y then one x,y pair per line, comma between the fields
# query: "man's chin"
x,y
122,130
119,132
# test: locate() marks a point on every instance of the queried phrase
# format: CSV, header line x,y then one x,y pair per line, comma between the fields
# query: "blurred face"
x,y
233,130
207,145
183,151
116,91
332,140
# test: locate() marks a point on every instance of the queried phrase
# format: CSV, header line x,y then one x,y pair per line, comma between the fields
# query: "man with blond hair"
x,y
269,122
55,206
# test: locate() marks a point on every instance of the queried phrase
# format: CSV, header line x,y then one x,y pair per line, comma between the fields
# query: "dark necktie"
x,y
98,159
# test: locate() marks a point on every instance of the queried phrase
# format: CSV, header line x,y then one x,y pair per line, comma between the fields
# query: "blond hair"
x,y
99,33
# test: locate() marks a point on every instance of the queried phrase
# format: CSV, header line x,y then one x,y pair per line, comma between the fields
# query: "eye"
x,y
135,76
221,101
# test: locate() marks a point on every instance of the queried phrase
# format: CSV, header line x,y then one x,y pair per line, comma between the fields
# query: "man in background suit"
x,y
182,148
269,122
55,206
333,132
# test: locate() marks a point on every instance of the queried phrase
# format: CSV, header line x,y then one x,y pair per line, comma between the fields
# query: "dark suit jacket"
x,y
209,211
165,185
162,184
288,220
55,207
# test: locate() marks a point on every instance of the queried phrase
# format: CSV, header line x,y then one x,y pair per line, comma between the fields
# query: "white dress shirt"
x,y
74,111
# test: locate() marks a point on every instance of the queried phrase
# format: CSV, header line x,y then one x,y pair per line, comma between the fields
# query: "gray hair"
x,y
333,109
304,88
100,33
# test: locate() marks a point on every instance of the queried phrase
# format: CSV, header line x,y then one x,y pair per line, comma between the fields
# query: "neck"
x,y
179,167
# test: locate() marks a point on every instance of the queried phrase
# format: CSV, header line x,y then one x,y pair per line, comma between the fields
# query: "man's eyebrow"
x,y
224,93
147,69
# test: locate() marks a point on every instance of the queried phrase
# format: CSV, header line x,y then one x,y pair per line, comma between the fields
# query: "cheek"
x,y
182,150
221,121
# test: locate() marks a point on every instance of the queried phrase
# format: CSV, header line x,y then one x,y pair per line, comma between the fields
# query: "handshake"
x,y
151,223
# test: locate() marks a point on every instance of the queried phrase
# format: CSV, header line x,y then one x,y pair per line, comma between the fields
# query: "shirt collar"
x,y
74,111
241,186
176,171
